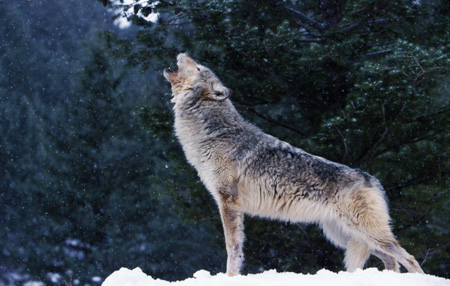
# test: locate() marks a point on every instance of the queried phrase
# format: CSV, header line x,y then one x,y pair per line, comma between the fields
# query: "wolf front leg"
x,y
233,226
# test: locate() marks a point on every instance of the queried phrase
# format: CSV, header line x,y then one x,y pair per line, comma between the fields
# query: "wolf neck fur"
x,y
212,131
219,117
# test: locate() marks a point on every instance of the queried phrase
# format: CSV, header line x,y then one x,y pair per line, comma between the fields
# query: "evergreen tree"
x,y
21,126
97,196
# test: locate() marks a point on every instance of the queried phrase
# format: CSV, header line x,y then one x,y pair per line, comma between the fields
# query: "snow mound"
x,y
368,277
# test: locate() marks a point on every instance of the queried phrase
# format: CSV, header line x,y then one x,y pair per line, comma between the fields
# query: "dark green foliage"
x,y
93,178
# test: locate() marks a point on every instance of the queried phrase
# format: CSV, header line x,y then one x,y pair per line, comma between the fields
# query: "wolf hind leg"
x,y
368,220
334,233
390,263
356,252
356,255
392,248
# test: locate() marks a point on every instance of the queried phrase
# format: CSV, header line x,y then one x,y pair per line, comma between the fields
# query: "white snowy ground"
x,y
368,277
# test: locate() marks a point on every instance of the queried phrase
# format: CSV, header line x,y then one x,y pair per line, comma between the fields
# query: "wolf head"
x,y
192,78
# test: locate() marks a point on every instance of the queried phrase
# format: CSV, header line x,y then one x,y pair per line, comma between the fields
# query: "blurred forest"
x,y
93,179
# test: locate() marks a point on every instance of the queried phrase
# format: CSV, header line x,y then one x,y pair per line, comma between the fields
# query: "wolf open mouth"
x,y
169,70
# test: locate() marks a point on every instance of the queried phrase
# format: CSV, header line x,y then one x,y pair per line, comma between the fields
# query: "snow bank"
x,y
368,277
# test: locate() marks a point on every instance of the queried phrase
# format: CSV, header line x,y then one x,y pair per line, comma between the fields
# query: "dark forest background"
x,y
92,178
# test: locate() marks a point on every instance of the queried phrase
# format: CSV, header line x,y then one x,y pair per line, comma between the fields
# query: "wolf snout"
x,y
169,74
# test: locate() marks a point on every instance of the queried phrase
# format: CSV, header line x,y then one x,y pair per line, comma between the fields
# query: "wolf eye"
x,y
198,69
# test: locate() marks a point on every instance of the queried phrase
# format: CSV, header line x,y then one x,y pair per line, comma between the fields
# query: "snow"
x,y
125,9
367,277
34,283
54,277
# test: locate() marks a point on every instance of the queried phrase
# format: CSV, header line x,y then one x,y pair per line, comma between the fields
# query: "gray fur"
x,y
248,171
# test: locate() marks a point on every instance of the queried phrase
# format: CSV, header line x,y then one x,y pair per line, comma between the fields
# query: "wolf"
x,y
250,172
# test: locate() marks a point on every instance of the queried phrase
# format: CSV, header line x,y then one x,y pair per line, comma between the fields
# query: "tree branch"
x,y
271,120
306,19
429,116
413,181
374,55
368,150
313,40
432,251
414,222
370,23
345,145
405,142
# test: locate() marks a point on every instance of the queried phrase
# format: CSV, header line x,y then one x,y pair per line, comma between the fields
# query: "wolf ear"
x,y
219,91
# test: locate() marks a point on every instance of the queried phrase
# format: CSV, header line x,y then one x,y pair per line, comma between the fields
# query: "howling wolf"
x,y
248,171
